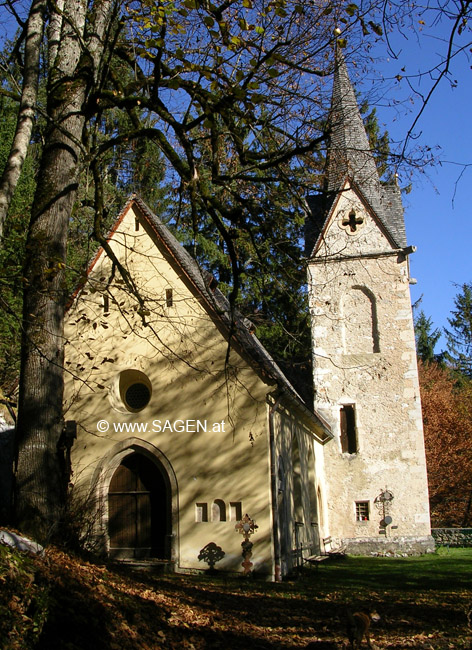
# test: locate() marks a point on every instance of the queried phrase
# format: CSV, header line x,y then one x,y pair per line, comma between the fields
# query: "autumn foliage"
x,y
447,418
58,601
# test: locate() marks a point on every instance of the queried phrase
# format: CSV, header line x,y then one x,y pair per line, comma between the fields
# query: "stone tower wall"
x,y
364,359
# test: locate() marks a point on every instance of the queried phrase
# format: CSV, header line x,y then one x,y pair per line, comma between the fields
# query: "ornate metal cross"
x,y
246,527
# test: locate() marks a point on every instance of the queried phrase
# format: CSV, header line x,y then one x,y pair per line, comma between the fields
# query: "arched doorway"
x,y
139,509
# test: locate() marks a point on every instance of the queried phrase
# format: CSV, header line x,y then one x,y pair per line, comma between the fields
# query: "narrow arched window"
x,y
359,321
218,510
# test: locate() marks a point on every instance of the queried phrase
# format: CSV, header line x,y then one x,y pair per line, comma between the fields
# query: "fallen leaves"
x,y
121,609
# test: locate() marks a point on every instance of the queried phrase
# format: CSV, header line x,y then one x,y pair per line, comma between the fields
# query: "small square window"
x,y
169,298
362,511
201,512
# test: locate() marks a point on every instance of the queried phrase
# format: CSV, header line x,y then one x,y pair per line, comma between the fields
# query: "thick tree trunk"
x,y
73,72
26,114
39,485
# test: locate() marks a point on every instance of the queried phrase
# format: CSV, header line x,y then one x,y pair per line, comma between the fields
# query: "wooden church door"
x,y
138,510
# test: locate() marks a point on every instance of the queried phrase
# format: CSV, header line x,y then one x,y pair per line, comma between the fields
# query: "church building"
x,y
185,424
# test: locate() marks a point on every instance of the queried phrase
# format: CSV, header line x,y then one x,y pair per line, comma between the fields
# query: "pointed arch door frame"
x,y
106,469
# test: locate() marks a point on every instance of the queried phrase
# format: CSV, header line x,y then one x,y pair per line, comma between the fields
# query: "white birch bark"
x,y
26,114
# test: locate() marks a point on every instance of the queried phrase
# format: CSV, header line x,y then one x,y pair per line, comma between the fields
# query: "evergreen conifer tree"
x,y
459,336
426,338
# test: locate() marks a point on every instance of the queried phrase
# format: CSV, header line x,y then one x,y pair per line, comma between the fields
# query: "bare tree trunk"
x,y
38,482
26,114
468,508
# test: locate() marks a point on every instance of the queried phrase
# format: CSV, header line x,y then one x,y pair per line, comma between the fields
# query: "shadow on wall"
x,y
211,554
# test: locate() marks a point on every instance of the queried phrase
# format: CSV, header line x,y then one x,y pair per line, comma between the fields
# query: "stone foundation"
x,y
391,546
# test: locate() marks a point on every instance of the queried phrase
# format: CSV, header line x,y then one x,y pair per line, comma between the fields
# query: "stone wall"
x,y
460,537
390,546
366,383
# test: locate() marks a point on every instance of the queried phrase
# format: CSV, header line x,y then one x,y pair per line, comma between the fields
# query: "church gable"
x,y
156,317
184,314
351,228
108,307
151,275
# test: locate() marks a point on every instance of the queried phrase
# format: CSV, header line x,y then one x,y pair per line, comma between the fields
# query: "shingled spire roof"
x,y
349,157
349,152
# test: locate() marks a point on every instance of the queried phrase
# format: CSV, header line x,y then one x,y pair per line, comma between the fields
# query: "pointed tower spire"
x,y
349,152
349,156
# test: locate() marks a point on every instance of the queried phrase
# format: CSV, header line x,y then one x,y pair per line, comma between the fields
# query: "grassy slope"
x,y
62,602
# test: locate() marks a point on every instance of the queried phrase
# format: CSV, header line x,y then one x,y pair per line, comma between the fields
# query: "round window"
x,y
130,391
137,396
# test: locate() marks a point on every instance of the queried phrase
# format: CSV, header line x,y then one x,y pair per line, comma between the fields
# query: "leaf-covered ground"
x,y
61,602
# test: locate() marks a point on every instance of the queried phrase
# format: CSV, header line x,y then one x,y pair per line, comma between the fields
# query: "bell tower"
x,y
364,356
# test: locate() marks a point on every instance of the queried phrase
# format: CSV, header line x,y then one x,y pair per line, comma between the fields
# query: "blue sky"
x,y
438,210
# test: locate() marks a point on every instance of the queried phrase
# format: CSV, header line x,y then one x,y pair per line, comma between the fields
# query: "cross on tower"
x,y
352,221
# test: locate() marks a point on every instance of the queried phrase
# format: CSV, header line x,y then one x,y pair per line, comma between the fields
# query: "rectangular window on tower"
x,y
348,429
